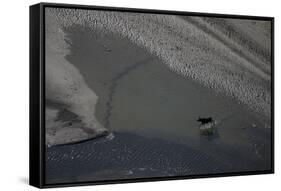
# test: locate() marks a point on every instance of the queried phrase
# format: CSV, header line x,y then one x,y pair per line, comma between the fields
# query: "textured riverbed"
x,y
129,156
154,76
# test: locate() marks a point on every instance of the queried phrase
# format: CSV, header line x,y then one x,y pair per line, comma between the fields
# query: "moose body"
x,y
205,120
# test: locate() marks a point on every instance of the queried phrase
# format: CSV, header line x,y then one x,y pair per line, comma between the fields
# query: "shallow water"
x,y
139,95
128,156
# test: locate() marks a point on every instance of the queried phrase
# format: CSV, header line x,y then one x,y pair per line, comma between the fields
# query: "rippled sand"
x,y
152,87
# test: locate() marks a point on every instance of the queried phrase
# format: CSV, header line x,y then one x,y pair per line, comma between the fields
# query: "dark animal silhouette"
x,y
205,120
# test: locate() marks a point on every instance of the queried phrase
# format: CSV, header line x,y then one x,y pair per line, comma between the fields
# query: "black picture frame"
x,y
37,94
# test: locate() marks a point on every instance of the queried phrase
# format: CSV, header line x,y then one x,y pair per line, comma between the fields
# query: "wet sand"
x,y
146,104
231,56
140,95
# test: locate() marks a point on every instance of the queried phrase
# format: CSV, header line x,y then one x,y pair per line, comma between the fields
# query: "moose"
x,y
205,120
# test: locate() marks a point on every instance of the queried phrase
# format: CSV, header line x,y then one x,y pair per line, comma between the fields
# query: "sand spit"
x,y
211,51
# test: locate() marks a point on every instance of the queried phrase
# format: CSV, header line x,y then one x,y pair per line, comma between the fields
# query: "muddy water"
x,y
138,94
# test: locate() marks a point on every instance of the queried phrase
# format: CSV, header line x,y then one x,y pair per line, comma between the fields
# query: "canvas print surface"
x,y
144,95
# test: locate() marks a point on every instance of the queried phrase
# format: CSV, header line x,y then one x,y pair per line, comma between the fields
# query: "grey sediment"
x,y
140,95
150,104
235,75
113,86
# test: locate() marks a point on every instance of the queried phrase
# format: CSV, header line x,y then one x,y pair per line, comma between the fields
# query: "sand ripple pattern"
x,y
231,56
